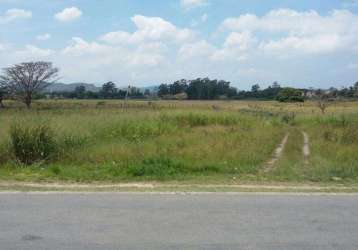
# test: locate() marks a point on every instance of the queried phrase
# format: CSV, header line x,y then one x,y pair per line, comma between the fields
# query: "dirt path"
x,y
277,154
306,147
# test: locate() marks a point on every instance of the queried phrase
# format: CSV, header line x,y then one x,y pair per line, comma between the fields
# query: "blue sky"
x,y
298,43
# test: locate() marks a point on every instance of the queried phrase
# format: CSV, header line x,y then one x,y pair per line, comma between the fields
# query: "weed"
x,y
32,143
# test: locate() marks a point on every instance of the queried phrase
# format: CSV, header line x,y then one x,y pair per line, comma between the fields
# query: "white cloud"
x,y
240,40
189,4
79,47
149,29
117,37
197,49
68,14
306,32
43,37
309,45
247,49
14,14
31,52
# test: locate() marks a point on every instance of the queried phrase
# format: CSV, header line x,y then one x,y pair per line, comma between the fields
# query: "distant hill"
x,y
70,87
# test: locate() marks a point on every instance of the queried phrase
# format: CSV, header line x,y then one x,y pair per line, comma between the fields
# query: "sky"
x,y
306,43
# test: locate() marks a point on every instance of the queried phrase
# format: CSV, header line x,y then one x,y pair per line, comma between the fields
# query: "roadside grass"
x,y
117,141
290,167
118,145
334,144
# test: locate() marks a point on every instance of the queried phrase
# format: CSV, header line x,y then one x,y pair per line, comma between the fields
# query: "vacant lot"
x,y
204,142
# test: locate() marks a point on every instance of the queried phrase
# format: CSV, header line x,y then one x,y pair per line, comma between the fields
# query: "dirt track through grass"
x,y
306,148
277,154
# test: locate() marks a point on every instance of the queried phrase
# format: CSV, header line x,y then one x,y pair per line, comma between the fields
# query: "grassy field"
x,y
190,142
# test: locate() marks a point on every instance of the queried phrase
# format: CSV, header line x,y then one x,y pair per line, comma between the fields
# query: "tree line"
x,y
108,90
26,81
198,89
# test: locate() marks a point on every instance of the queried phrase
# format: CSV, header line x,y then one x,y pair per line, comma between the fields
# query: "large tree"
x,y
109,90
26,79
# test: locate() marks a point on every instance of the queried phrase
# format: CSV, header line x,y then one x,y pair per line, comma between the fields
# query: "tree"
x,y
80,92
3,92
255,88
290,95
275,85
323,101
355,86
178,87
26,79
163,90
109,90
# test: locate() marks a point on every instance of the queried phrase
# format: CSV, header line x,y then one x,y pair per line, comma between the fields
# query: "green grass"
x,y
184,141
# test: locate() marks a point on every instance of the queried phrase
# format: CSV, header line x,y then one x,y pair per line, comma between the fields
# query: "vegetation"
x,y
205,89
31,143
23,81
223,141
290,95
2,96
111,141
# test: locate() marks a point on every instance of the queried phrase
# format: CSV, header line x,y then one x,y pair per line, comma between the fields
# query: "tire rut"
x,y
270,165
306,148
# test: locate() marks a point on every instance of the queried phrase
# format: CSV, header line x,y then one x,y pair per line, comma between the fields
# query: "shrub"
x,y
330,136
71,141
290,95
31,143
199,120
289,118
157,167
349,135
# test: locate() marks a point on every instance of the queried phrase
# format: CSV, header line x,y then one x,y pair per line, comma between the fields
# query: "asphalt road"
x,y
166,221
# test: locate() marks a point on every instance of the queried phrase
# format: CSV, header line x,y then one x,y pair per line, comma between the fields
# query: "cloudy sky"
x,y
145,42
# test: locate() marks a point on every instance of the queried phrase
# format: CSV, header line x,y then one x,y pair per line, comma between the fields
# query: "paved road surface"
x,y
165,221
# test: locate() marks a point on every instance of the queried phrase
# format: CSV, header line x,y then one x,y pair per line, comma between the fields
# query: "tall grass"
x,y
31,143
116,141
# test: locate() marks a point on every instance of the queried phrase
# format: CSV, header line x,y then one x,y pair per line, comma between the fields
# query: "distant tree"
x,y
275,85
80,92
147,92
109,90
355,86
255,88
323,101
24,80
163,90
3,93
178,87
231,92
290,95
134,92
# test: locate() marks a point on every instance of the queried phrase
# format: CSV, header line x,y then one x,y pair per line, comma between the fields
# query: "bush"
x,y
157,167
32,143
349,135
289,118
290,95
